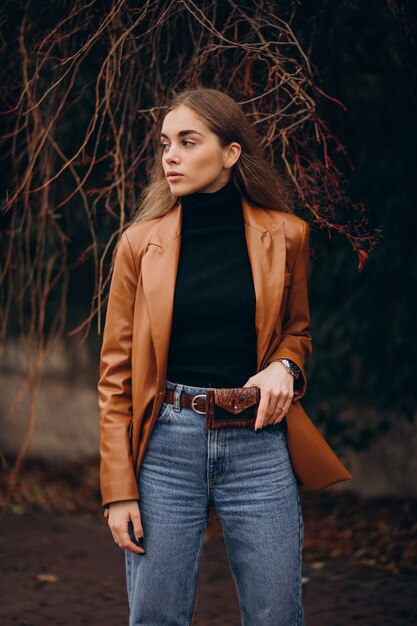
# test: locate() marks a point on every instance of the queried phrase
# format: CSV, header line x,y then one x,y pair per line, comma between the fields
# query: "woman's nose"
x,y
170,155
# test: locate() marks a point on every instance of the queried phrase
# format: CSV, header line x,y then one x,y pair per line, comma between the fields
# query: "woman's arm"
x,y
296,341
277,385
117,476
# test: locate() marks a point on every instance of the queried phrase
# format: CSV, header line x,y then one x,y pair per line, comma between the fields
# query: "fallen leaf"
x,y
47,578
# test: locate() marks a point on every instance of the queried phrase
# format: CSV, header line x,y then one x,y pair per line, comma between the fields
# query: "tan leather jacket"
x,y
139,317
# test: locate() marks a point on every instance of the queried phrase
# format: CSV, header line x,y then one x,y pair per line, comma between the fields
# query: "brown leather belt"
x,y
230,406
196,402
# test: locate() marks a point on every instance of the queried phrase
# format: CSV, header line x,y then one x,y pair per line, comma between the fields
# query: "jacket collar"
x,y
169,227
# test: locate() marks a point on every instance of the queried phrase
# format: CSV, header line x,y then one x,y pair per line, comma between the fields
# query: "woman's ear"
x,y
234,150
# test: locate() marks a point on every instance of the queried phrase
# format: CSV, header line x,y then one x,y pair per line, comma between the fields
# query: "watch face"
x,y
294,367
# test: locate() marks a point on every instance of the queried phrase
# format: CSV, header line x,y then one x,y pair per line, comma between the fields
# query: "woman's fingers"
x,y
132,540
273,407
126,527
265,409
135,529
282,407
123,538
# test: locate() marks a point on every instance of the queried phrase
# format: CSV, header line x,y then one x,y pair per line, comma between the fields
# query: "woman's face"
x,y
192,150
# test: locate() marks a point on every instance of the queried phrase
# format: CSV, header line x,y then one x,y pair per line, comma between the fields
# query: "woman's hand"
x,y
118,515
277,391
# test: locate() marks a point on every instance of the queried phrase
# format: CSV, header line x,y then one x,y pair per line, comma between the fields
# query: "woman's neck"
x,y
223,204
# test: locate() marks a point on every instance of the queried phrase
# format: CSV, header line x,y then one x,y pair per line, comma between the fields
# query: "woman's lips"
x,y
174,177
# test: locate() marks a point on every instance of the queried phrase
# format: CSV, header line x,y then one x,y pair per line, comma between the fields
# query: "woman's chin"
x,y
178,188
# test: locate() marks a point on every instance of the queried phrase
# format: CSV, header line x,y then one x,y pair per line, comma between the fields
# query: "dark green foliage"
x,y
364,324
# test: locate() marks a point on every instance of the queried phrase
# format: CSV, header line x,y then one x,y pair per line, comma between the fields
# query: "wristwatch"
x,y
290,366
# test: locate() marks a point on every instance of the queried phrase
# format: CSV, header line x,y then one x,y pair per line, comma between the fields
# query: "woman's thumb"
x,y
137,525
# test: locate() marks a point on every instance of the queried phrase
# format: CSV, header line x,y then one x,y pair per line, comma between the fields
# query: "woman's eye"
x,y
165,145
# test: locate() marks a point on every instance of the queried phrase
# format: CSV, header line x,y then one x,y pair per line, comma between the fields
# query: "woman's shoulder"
x,y
135,237
138,229
296,228
140,232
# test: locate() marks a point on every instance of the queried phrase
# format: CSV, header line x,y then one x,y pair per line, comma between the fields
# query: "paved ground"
x,y
64,569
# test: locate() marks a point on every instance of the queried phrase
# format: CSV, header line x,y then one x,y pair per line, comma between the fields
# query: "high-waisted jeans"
x,y
249,479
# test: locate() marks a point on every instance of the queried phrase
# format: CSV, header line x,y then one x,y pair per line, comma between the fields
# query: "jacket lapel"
x,y
265,239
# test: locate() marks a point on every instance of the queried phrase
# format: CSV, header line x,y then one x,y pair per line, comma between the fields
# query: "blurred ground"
x,y
60,565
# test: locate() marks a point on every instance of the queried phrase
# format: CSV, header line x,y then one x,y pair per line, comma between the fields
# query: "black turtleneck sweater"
x,y
213,337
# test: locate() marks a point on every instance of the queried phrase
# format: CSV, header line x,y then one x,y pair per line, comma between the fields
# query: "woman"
x,y
209,291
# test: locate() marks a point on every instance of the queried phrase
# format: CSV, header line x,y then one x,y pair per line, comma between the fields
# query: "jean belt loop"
x,y
177,395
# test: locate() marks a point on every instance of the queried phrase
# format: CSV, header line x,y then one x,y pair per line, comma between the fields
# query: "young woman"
x,y
209,292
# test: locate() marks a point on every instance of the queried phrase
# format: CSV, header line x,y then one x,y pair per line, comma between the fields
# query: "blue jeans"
x,y
249,479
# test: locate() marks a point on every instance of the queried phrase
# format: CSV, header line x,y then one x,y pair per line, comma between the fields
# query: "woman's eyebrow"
x,y
184,132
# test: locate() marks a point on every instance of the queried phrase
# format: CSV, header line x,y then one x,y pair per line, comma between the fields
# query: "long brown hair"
x,y
253,175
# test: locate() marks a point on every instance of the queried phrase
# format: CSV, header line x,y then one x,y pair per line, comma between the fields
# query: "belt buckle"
x,y
199,395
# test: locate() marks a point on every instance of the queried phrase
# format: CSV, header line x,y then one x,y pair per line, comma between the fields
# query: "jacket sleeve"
x,y
296,343
117,476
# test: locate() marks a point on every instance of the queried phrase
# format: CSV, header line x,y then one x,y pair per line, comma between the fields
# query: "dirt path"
x,y
66,570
